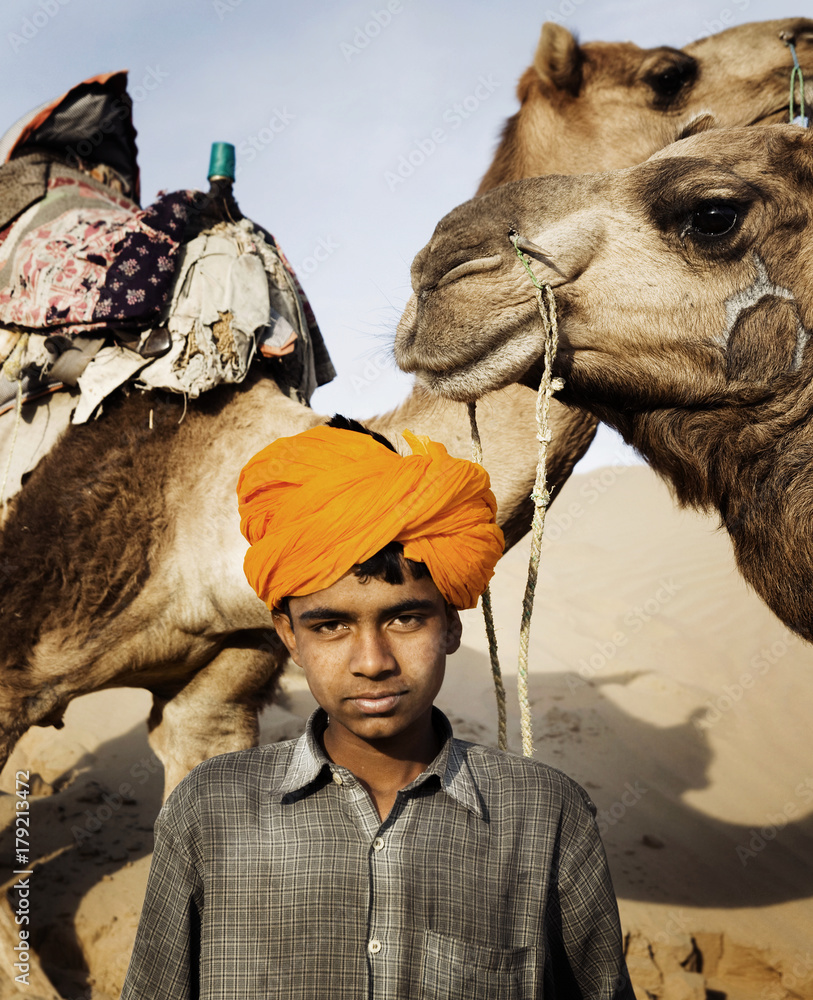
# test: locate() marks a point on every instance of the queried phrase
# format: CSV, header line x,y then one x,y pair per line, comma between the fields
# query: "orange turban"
x,y
314,505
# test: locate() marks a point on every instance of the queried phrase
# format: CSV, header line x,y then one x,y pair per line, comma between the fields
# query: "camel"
x,y
133,576
685,311
607,105
125,569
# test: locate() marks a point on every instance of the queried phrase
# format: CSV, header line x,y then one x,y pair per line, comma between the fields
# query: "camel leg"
x,y
217,710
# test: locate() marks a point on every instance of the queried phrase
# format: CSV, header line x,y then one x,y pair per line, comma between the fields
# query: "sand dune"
x,y
658,680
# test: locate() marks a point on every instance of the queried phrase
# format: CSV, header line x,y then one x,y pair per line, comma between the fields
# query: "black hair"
x,y
388,563
348,424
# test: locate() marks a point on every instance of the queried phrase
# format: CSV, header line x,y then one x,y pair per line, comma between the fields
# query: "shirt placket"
x,y
384,939
381,946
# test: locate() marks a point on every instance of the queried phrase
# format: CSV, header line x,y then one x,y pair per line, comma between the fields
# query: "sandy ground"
x,y
658,680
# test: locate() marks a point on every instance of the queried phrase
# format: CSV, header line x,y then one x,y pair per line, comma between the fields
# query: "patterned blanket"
x,y
82,258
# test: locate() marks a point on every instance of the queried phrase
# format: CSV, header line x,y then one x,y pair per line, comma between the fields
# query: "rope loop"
x,y
796,75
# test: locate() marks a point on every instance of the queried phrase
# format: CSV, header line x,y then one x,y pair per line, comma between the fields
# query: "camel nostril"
x,y
526,246
476,266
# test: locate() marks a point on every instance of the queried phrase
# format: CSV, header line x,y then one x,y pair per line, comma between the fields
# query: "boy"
x,y
376,856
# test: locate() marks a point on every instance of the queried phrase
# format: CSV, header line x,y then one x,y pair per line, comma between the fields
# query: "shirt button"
x,y
337,778
378,844
374,947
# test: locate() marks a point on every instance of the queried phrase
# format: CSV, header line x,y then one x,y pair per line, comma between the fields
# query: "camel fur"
x,y
122,559
685,312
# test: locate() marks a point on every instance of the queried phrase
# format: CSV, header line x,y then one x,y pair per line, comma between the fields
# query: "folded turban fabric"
x,y
314,505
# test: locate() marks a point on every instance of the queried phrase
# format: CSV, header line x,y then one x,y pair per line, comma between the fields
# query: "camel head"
x,y
684,288
607,105
685,280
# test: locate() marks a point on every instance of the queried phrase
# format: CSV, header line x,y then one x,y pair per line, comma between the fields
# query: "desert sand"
x,y
658,680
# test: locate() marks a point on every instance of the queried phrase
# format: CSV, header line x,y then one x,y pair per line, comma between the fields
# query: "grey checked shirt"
x,y
274,877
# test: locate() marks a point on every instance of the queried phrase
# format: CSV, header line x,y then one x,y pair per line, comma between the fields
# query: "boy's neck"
x,y
384,766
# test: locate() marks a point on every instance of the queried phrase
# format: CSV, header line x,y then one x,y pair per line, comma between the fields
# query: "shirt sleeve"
x,y
586,951
164,963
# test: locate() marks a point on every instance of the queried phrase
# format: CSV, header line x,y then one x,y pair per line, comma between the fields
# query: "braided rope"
x,y
488,611
541,498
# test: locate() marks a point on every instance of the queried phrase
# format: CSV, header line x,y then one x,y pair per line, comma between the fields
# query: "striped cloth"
x,y
273,876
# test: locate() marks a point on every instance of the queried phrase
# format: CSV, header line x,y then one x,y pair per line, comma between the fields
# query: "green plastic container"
x,y
221,162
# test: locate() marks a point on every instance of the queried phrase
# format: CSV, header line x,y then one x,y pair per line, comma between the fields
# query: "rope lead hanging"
x,y
541,498
488,611
540,494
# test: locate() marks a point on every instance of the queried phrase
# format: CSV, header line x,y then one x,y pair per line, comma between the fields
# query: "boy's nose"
x,y
372,655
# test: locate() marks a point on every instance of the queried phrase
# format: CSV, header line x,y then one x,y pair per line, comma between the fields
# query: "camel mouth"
x,y
442,345
511,357
780,112
766,116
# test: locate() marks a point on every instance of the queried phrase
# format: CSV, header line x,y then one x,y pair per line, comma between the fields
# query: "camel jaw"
x,y
466,383
515,340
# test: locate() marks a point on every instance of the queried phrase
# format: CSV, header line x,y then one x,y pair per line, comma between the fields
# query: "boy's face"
x,y
374,653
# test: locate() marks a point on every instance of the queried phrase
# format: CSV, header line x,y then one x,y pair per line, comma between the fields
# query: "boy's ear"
x,y
282,623
454,629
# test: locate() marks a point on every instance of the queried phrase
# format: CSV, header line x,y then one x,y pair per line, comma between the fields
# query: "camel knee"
x,y
13,725
182,733
215,712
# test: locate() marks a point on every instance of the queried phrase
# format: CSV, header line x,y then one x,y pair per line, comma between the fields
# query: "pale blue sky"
x,y
321,100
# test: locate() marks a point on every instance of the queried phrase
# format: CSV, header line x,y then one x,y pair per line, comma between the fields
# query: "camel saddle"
x,y
96,292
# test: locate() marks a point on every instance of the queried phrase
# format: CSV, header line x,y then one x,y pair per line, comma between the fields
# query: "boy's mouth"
x,y
377,704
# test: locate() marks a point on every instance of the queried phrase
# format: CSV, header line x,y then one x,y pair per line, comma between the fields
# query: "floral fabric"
x,y
91,266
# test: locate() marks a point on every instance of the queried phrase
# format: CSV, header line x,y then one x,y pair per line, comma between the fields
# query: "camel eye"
x,y
714,219
668,83
671,82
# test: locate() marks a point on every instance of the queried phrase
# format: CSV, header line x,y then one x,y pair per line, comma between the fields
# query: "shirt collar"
x,y
309,762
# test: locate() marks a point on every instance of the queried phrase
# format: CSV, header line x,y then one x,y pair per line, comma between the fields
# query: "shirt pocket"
x,y
456,970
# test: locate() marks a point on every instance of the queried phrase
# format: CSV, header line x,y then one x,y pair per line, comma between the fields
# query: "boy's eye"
x,y
327,628
408,621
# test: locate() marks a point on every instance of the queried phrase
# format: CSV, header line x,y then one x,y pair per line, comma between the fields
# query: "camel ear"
x,y
558,59
703,121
